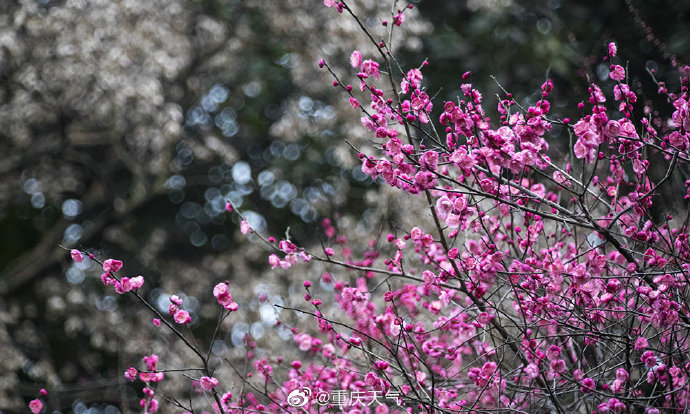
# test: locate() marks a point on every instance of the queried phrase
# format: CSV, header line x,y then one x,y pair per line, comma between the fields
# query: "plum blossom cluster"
x,y
222,294
547,279
180,315
123,284
152,375
291,256
551,280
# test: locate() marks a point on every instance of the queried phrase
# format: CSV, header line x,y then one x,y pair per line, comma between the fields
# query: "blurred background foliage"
x,y
126,125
